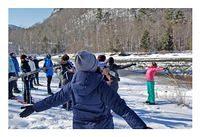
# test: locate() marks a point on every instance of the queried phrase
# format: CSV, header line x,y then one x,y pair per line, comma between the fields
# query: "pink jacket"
x,y
151,71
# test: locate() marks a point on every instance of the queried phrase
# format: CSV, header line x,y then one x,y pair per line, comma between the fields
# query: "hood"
x,y
83,83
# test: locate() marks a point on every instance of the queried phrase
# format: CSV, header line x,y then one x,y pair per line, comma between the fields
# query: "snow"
x,y
134,55
166,114
167,55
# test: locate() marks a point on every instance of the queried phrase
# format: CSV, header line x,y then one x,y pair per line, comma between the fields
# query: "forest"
x,y
106,30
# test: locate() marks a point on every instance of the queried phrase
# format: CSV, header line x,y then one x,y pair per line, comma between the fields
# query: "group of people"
x,y
29,71
30,68
110,69
90,87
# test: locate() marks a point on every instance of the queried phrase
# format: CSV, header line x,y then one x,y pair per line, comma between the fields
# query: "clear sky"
x,y
26,17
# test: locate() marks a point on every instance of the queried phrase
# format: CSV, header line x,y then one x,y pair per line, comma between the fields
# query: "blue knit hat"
x,y
86,61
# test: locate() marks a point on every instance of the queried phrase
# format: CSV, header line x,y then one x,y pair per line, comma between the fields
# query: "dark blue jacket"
x,y
92,101
25,66
16,64
48,64
65,70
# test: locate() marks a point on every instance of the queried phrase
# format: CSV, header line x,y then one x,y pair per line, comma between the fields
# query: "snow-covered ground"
x,y
166,114
160,56
133,55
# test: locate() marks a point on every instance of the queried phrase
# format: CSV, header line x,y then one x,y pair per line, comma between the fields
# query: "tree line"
x,y
107,30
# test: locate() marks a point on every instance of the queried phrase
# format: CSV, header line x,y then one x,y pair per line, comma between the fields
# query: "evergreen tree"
x,y
58,47
167,41
99,15
45,44
169,14
179,16
145,41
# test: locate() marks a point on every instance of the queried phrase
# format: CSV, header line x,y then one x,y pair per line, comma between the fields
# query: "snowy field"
x,y
132,56
166,114
160,56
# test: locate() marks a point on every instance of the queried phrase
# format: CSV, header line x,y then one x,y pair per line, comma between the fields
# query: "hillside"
x,y
100,30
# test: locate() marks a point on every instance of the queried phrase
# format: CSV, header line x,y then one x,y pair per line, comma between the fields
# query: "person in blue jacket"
x,y
11,73
92,98
48,67
17,70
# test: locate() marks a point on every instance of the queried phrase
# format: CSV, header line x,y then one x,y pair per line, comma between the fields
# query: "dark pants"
x,y
31,81
36,79
15,85
11,85
49,78
27,94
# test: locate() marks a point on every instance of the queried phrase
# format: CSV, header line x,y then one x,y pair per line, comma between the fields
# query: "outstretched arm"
x,y
125,66
40,60
55,100
118,105
159,69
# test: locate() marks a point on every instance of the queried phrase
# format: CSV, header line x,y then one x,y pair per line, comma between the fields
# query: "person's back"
x,y
151,71
16,63
113,67
88,105
11,67
11,73
48,65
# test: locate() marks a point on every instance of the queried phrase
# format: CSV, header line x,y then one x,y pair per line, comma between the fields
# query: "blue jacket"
x,y
92,101
11,67
49,67
16,64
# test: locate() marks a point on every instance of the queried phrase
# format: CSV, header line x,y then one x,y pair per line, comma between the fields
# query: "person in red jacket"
x,y
150,73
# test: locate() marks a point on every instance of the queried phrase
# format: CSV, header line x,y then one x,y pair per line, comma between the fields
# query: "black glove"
x,y
28,111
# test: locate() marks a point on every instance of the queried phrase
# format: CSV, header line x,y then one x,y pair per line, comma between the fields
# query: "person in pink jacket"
x,y
150,73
